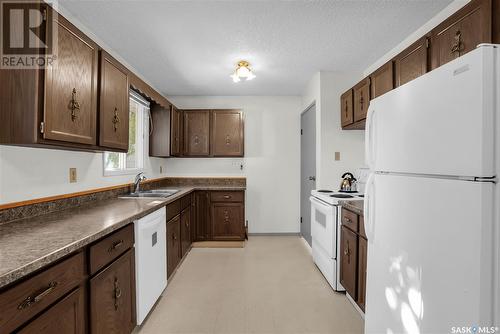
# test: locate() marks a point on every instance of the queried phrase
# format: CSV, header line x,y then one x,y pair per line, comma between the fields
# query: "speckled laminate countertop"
x,y
354,206
29,244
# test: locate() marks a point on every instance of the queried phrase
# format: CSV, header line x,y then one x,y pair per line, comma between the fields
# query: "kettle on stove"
x,y
348,184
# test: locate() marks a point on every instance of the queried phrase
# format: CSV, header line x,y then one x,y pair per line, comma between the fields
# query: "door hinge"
x,y
301,220
301,132
42,127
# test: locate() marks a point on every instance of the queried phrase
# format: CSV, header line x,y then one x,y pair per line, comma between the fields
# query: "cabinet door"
x,y
382,80
173,244
346,108
361,99
196,132
176,132
113,104
227,133
202,215
228,221
412,62
185,230
112,297
71,87
462,32
160,131
348,264
362,261
66,316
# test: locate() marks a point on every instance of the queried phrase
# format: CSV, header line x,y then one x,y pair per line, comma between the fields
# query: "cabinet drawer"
x,y
173,209
362,226
109,248
23,301
67,316
227,196
185,202
350,220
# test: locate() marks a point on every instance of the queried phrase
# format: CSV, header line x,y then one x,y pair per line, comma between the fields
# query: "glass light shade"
x,y
235,77
243,72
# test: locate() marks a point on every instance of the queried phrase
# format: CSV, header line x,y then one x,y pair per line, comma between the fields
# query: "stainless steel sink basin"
x,y
155,193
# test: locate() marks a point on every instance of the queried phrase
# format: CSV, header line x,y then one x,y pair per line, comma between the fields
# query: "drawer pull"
x,y
116,244
32,300
227,196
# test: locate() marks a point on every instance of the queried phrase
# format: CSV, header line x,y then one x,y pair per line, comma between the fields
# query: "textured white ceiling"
x,y
191,47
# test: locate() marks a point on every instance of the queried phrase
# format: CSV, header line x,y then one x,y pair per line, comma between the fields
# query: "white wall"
x,y
271,162
27,173
324,89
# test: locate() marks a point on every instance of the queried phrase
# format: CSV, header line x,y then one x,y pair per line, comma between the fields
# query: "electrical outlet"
x,y
337,156
72,175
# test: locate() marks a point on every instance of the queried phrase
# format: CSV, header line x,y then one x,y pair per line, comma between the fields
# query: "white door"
x,y
441,123
429,254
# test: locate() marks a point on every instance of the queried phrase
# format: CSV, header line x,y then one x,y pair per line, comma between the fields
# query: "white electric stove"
x,y
325,232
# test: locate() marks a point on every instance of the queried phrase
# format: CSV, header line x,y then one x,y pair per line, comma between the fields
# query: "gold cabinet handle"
x,y
117,292
347,220
35,299
115,245
457,45
74,105
227,196
115,119
196,140
228,140
174,237
346,110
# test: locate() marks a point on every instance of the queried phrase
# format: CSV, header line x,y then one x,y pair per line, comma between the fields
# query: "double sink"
x,y
155,193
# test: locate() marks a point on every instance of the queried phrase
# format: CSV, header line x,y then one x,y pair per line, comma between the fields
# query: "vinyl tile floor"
x,y
270,286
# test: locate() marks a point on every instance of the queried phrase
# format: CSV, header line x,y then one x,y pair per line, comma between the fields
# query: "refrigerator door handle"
x,y
369,145
368,208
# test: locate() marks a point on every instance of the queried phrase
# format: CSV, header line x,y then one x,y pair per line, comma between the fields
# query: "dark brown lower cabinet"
x,y
202,216
173,244
66,316
348,263
112,297
185,230
228,221
353,256
362,253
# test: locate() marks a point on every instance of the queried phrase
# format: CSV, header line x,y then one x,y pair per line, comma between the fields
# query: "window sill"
x,y
116,172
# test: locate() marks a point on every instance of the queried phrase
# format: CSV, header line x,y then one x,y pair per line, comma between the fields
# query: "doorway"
x,y
307,168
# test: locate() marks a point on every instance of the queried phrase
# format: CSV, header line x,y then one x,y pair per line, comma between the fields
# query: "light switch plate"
x,y
337,156
72,175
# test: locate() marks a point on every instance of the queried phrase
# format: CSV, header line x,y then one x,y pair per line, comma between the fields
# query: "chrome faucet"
x,y
137,183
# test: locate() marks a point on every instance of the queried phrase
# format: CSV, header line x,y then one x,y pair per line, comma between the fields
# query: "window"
x,y
133,161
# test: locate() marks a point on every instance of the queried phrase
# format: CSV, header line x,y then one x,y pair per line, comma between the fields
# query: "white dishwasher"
x,y
150,261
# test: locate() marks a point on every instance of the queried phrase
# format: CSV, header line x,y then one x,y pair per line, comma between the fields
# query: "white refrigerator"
x,y
432,202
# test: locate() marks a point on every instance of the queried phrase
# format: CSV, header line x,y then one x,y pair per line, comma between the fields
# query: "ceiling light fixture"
x,y
242,71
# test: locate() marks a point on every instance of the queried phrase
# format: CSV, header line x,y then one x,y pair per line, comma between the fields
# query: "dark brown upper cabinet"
x,y
227,133
71,87
176,132
114,104
159,134
196,133
412,62
462,32
346,108
382,80
361,99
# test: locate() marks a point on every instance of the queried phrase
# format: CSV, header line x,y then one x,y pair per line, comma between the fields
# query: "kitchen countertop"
x,y
29,244
353,205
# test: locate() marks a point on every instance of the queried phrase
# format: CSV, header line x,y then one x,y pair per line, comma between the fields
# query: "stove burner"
x,y
341,196
325,191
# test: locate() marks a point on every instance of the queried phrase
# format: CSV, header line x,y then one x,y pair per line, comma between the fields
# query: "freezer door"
x,y
430,254
441,123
